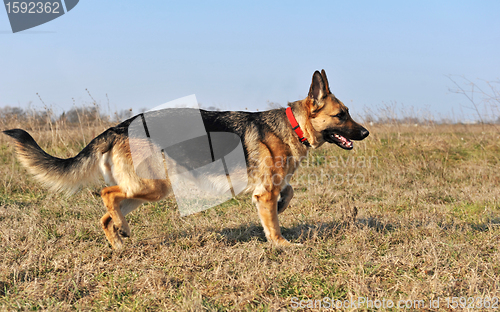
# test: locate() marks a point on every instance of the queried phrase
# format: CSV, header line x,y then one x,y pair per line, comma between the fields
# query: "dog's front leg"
x,y
266,201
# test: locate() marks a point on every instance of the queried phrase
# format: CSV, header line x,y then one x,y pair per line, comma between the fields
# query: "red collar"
x,y
296,127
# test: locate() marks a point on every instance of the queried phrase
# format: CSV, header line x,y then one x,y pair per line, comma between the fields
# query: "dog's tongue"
x,y
344,141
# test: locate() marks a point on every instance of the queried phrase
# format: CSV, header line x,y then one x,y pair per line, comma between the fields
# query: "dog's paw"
x,y
115,240
282,242
117,244
122,230
124,233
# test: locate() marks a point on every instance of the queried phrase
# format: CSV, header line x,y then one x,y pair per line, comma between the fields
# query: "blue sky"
x,y
240,54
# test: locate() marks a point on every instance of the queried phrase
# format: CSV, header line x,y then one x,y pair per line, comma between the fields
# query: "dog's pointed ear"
x,y
325,80
318,89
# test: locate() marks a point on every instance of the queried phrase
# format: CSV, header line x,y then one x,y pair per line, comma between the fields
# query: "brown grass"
x,y
418,219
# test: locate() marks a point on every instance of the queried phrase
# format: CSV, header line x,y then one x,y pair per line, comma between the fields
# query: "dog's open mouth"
x,y
341,141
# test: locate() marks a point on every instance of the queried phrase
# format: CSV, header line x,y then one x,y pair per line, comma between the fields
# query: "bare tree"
x,y
485,100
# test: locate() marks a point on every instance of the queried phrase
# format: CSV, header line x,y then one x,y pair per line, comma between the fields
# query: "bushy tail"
x,y
62,175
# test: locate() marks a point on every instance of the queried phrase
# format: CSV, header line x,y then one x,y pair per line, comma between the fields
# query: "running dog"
x,y
267,137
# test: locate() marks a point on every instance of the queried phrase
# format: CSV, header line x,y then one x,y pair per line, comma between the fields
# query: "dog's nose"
x,y
364,133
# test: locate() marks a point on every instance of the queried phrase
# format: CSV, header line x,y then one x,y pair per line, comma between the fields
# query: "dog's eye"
x,y
340,115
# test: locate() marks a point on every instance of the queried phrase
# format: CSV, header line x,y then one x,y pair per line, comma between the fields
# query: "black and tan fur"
x,y
267,137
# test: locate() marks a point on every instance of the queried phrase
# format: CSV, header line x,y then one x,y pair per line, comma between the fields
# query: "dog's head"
x,y
329,117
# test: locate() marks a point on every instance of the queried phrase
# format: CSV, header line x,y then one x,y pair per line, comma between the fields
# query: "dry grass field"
x,y
411,213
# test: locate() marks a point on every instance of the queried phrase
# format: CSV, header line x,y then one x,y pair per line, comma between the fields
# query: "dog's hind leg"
x,y
109,226
113,222
111,234
285,197
119,204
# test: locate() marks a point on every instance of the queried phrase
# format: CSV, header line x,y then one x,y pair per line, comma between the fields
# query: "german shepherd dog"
x,y
267,137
